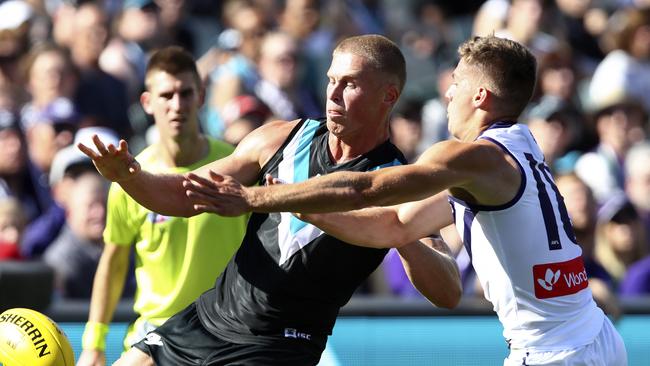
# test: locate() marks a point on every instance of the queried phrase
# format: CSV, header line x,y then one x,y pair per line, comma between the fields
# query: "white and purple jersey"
x,y
526,256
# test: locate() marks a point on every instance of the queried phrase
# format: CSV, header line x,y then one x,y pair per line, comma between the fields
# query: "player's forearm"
x,y
108,284
341,191
375,227
433,271
330,193
161,193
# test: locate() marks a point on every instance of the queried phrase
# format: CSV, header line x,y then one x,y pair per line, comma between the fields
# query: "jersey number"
x,y
540,170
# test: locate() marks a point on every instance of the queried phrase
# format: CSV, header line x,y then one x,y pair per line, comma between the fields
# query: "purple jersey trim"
x,y
515,199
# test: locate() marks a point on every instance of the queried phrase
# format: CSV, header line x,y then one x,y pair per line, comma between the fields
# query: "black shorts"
x,y
182,340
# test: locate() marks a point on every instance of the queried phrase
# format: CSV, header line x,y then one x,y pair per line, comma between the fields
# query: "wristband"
x,y
94,336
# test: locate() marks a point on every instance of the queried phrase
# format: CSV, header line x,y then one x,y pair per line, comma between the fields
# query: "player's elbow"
x,y
444,295
448,299
394,233
453,297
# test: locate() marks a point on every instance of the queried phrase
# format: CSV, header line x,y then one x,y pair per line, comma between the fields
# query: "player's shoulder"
x,y
270,135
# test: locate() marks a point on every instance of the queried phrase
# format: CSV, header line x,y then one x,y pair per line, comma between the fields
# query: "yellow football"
x,y
29,338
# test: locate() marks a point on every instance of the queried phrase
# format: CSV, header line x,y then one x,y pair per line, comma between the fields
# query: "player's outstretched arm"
x,y
165,193
160,193
340,191
386,227
433,271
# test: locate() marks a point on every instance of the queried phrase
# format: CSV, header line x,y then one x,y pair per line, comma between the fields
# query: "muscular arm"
x,y
385,227
477,167
432,269
107,290
164,193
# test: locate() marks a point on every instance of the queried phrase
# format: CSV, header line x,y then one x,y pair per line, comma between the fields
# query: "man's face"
x,y
50,77
579,202
87,206
638,188
354,94
459,95
620,127
173,100
278,63
12,152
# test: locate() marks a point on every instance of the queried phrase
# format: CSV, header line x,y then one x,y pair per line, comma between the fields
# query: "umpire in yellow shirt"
x,y
177,258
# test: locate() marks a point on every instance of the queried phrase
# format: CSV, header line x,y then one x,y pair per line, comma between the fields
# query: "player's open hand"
x,y
114,163
220,194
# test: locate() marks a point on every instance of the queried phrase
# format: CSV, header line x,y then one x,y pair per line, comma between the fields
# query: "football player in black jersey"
x,y
277,300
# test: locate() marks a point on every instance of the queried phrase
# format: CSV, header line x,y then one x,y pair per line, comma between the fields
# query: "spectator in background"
x,y
620,236
242,115
429,46
625,71
239,74
524,25
74,254
619,124
49,130
65,168
280,86
406,128
555,126
582,209
175,24
12,224
637,181
100,97
434,112
137,31
557,77
15,22
62,14
581,23
304,21
50,75
558,82
50,118
490,17
19,177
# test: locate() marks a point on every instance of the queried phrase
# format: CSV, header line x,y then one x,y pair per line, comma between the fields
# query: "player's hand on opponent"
x,y
91,357
114,163
220,194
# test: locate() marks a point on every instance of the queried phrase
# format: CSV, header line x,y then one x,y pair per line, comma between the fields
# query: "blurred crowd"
x,y
73,68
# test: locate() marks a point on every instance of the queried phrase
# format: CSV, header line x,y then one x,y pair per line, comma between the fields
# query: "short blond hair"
x,y
381,53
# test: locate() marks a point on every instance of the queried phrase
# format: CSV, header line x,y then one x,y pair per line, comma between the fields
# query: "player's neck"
x,y
343,150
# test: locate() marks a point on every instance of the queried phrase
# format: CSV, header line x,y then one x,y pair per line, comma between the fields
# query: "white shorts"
x,y
607,349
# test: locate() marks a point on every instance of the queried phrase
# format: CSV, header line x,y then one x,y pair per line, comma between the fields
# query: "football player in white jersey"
x,y
503,200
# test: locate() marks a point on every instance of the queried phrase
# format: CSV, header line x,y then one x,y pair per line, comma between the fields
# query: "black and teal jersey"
x,y
289,278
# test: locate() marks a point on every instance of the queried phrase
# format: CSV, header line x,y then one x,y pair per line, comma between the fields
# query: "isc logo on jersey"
x,y
559,279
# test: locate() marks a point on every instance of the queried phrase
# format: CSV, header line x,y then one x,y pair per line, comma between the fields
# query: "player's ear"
x,y
480,97
392,94
145,100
